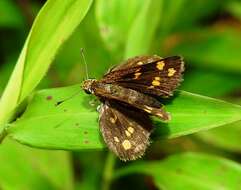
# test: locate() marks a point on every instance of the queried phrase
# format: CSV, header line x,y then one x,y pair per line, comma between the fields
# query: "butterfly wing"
x,y
136,61
131,97
158,77
125,130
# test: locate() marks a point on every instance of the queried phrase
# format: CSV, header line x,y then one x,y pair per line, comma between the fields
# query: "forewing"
x,y
136,61
125,133
158,78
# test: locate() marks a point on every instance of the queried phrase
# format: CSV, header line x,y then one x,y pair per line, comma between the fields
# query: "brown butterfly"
x,y
128,93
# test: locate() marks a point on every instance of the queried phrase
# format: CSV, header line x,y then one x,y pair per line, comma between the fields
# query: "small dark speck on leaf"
x,y
58,125
65,110
76,124
86,141
85,132
49,97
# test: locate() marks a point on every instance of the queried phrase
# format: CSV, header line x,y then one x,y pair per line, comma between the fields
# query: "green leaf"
x,y
192,113
227,137
45,38
10,96
74,123
26,168
143,29
189,171
70,125
48,35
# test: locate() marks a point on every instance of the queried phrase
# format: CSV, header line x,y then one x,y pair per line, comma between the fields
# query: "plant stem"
x,y
108,171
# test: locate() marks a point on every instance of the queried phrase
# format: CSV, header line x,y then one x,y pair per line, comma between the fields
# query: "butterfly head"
x,y
87,86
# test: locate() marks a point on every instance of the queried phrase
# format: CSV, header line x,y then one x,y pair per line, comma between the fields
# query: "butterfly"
x,y
129,94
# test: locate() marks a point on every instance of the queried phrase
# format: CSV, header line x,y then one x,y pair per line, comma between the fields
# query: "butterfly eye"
x,y
87,91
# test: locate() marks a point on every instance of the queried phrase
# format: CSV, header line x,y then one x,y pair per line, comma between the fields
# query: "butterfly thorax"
x,y
88,86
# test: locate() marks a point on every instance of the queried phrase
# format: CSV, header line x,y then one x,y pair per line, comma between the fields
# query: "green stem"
x,y
108,171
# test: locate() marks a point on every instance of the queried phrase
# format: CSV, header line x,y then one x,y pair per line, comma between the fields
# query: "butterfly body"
x,y
128,94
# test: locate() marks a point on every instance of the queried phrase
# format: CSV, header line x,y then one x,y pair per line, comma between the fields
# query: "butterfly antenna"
x,y
62,101
87,77
86,67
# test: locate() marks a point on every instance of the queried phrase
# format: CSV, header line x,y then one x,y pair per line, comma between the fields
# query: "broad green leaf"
x,y
10,96
227,137
26,168
189,171
74,123
70,125
47,35
143,29
218,49
45,38
115,18
192,113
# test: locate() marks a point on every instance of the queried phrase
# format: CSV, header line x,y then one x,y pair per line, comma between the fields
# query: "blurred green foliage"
x,y
206,33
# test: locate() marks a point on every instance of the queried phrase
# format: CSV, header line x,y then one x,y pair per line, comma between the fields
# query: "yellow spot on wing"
x,y
155,83
159,114
151,87
157,78
171,72
148,111
140,63
113,119
131,129
116,139
126,144
160,65
127,133
148,107
137,75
